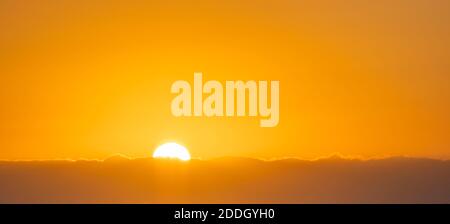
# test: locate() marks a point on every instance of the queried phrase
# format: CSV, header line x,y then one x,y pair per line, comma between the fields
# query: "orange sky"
x,y
87,79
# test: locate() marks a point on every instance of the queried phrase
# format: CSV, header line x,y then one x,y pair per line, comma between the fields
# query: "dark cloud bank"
x,y
226,180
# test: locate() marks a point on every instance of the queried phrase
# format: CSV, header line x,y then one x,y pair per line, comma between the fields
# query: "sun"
x,y
172,150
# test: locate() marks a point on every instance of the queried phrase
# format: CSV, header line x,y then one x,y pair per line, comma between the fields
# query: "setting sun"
x,y
172,150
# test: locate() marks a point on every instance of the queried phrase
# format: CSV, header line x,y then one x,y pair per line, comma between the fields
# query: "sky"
x,y
89,79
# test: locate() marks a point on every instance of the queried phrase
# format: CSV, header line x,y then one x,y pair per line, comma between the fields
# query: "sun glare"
x,y
172,150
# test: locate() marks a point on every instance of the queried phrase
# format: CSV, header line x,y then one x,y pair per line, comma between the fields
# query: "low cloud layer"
x,y
226,180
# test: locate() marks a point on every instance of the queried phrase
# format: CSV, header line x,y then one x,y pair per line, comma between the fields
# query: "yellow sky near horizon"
x,y
88,79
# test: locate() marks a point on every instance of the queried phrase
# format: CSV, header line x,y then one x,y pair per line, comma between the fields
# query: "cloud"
x,y
120,179
117,158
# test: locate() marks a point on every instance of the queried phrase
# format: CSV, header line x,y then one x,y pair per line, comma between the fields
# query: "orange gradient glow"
x,y
88,79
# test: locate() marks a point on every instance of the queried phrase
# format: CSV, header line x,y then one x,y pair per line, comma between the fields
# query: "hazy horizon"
x,y
226,180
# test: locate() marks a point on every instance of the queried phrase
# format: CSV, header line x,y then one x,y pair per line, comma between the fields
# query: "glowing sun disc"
x,y
173,151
